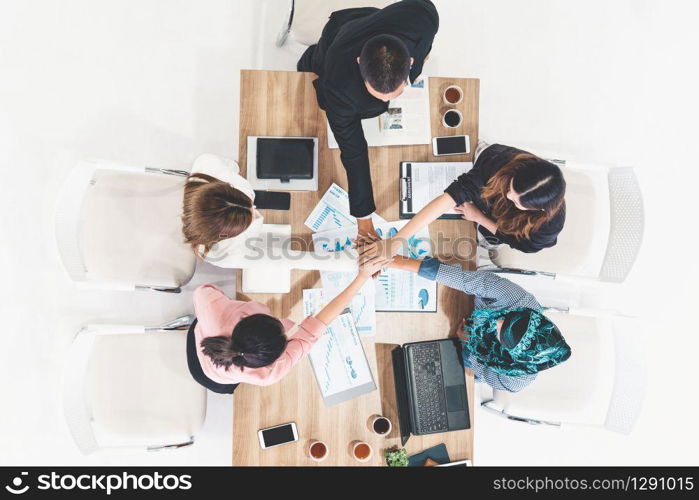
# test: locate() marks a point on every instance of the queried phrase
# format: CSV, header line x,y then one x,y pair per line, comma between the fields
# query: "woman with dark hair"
x,y
222,225
514,197
238,341
219,214
507,340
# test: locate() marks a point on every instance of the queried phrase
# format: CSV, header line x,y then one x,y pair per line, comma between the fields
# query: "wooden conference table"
x,y
279,103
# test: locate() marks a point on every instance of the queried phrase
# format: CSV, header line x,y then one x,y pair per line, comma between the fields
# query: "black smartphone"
x,y
272,200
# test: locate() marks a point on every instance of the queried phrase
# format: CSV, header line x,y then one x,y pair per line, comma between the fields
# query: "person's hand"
x,y
371,268
469,212
381,249
461,331
366,231
364,239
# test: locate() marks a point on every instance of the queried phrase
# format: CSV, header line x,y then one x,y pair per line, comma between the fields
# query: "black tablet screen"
x,y
285,158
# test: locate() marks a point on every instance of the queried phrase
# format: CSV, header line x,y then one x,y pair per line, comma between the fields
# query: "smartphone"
x,y
272,200
451,145
460,463
278,435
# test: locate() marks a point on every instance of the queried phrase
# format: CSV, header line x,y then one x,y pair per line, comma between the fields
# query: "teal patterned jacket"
x,y
490,291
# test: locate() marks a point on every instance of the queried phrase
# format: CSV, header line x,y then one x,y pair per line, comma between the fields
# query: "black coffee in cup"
x,y
382,425
452,118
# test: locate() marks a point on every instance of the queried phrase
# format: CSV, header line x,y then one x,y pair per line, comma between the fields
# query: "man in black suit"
x,y
364,59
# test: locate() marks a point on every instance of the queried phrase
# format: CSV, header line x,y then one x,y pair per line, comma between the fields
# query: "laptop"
x,y
430,388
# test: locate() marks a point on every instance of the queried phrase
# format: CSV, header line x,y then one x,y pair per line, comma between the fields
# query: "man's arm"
x,y
354,153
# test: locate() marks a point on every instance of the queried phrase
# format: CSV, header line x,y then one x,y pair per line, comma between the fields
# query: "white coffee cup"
x,y
318,443
356,445
452,112
452,89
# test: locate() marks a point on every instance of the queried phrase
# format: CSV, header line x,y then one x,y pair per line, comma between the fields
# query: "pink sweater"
x,y
218,315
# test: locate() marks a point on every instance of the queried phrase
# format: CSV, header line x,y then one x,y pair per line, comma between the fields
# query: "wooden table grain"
x,y
279,103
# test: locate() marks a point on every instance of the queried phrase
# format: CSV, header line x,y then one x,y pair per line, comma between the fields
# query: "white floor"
x,y
156,82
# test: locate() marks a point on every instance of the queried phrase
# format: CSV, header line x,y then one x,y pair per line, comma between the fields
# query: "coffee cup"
x,y
380,425
452,118
362,451
453,95
317,451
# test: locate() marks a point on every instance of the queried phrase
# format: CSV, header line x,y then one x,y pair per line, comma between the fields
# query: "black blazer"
x,y
340,87
468,188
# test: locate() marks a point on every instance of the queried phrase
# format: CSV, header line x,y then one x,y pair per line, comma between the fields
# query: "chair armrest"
x,y
167,171
181,323
511,270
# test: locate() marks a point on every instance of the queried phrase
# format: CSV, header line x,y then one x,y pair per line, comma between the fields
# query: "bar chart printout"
x,y
332,211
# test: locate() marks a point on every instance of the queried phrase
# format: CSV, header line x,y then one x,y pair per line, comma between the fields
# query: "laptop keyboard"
x,y
429,388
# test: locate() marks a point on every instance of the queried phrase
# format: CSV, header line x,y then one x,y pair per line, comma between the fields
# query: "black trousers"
x,y
196,370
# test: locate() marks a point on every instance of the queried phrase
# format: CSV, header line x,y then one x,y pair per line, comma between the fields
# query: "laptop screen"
x,y
399,379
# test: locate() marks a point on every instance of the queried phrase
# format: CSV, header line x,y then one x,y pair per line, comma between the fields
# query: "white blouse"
x,y
224,253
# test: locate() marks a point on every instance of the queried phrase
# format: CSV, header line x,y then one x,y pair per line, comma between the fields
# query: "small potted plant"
x,y
396,457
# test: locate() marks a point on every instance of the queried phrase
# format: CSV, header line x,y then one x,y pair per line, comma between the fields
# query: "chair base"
x,y
490,406
174,446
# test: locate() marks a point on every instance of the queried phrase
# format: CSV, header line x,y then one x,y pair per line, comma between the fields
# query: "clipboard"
x,y
406,174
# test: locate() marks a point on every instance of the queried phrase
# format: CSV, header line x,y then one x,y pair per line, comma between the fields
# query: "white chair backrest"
x,y
310,16
603,383
582,244
578,390
127,388
120,225
140,390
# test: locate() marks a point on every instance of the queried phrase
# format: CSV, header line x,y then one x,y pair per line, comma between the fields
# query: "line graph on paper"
x,y
338,358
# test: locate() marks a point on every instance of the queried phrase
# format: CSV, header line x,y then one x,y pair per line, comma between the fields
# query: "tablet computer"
x,y
285,158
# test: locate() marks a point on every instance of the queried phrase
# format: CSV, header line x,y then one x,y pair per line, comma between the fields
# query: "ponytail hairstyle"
x,y
213,211
541,189
257,340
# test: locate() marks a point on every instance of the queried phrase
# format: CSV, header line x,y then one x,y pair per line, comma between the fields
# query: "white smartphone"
x,y
278,435
460,463
451,145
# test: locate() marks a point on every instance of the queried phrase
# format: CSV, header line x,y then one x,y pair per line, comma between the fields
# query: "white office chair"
x,y
602,233
129,387
307,18
602,384
119,227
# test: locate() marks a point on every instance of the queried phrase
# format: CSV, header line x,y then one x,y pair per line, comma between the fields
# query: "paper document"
x,y
333,212
338,359
407,120
404,291
422,182
362,306
395,290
